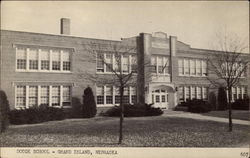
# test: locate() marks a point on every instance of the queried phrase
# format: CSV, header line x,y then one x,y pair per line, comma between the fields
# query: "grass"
x,y
155,131
236,114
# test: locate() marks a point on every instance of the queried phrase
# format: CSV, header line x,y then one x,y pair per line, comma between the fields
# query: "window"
x,y
163,98
239,92
134,63
166,65
193,92
187,93
44,92
181,98
33,59
42,59
117,95
21,58
186,67
234,94
153,64
125,64
192,67
126,95
133,94
181,66
44,56
99,63
204,68
55,95
205,91
109,95
66,96
56,64
198,67
157,98
44,95
21,96
199,96
109,62
117,65
33,96
160,65
100,95
66,60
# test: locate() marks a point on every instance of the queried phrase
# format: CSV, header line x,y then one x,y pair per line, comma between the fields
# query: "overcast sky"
x,y
192,22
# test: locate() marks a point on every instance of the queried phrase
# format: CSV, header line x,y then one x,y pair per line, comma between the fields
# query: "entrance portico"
x,y
161,95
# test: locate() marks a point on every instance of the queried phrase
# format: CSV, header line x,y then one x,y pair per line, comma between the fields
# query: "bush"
x,y
212,100
198,106
134,111
222,99
241,104
39,114
4,110
89,105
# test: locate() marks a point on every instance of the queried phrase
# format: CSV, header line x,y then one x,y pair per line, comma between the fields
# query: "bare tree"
x,y
108,58
228,65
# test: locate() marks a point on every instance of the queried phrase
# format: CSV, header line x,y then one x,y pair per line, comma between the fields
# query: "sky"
x,y
193,22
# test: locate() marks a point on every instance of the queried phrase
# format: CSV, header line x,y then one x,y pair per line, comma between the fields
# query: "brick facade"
x,y
147,45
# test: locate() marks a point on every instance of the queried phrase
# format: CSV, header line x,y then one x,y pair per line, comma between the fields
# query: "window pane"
x,y
193,95
187,91
109,95
181,94
33,96
134,63
55,95
192,67
56,60
21,58
117,65
181,67
198,67
99,63
21,96
153,64
44,95
125,64
186,67
109,62
100,95
66,95
198,92
66,60
204,68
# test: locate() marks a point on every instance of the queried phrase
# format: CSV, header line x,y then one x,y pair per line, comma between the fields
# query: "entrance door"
x,y
160,98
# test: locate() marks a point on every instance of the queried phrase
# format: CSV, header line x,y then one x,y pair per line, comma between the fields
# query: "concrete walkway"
x,y
182,114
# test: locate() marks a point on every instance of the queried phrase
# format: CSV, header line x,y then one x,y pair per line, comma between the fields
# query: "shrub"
x,y
134,111
89,105
212,100
241,104
198,106
222,99
4,110
39,114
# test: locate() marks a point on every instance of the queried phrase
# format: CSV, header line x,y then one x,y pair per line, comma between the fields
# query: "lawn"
x,y
155,131
236,114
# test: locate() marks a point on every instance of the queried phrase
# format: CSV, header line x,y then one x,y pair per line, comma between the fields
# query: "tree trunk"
x,y
230,125
121,115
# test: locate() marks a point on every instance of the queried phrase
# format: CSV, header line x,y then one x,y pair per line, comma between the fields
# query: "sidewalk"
x,y
201,117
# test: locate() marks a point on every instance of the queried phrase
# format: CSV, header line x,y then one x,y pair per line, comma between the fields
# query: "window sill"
x,y
44,71
192,76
